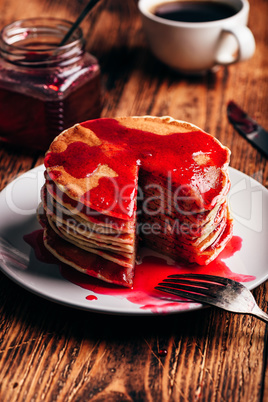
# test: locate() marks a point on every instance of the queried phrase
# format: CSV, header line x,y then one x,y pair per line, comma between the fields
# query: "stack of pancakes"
x,y
112,184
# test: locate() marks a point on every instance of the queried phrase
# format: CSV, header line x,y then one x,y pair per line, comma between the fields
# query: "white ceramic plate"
x,y
18,201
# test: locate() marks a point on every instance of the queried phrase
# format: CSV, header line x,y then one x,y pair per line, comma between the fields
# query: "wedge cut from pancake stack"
x,y
112,184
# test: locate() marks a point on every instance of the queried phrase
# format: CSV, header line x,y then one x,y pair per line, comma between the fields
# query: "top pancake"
x,y
97,163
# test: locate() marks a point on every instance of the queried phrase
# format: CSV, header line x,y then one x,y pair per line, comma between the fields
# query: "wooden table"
x,y
51,352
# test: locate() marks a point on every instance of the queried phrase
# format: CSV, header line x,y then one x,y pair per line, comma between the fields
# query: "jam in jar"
x,y
45,87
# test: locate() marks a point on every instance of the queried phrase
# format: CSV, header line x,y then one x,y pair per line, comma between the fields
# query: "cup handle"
x,y
235,44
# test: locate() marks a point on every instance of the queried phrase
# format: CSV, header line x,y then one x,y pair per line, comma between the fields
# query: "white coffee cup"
x,y
195,47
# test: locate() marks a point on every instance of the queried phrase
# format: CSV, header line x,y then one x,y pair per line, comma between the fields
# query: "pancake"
x,y
112,184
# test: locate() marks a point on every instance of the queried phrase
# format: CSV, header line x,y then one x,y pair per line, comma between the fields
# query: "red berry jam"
x,y
44,87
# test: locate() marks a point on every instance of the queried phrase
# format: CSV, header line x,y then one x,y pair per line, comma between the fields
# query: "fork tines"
x,y
224,293
202,288
203,278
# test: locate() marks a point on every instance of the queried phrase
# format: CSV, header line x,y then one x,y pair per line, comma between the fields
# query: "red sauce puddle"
x,y
148,274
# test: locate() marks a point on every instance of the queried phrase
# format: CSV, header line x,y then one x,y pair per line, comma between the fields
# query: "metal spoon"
x,y
86,10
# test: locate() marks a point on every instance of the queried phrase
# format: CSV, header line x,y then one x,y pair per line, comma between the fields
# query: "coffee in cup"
x,y
193,36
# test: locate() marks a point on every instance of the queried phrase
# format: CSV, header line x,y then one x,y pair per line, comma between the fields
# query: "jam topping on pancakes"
x,y
192,159
113,184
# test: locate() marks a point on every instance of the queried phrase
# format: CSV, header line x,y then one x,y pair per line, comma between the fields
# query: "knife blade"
x,y
248,127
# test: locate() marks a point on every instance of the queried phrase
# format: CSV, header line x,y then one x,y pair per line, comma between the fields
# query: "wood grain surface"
x,y
50,352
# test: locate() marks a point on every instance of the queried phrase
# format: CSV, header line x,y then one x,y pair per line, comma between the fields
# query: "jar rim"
x,y
29,29
28,24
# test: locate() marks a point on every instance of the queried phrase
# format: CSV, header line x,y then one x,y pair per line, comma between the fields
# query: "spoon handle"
x,y
86,10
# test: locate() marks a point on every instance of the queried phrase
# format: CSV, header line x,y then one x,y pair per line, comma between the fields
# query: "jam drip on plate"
x,y
152,270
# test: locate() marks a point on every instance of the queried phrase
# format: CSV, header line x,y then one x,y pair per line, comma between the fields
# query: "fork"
x,y
221,292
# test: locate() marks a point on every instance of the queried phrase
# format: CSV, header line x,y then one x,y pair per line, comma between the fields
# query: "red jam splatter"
x,y
125,149
91,297
35,239
162,352
148,274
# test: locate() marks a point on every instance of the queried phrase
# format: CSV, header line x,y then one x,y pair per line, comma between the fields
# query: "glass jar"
x,y
44,87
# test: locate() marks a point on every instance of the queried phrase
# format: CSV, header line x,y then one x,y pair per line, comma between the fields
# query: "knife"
x,y
248,127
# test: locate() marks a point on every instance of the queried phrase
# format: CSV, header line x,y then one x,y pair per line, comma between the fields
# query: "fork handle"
x,y
256,311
